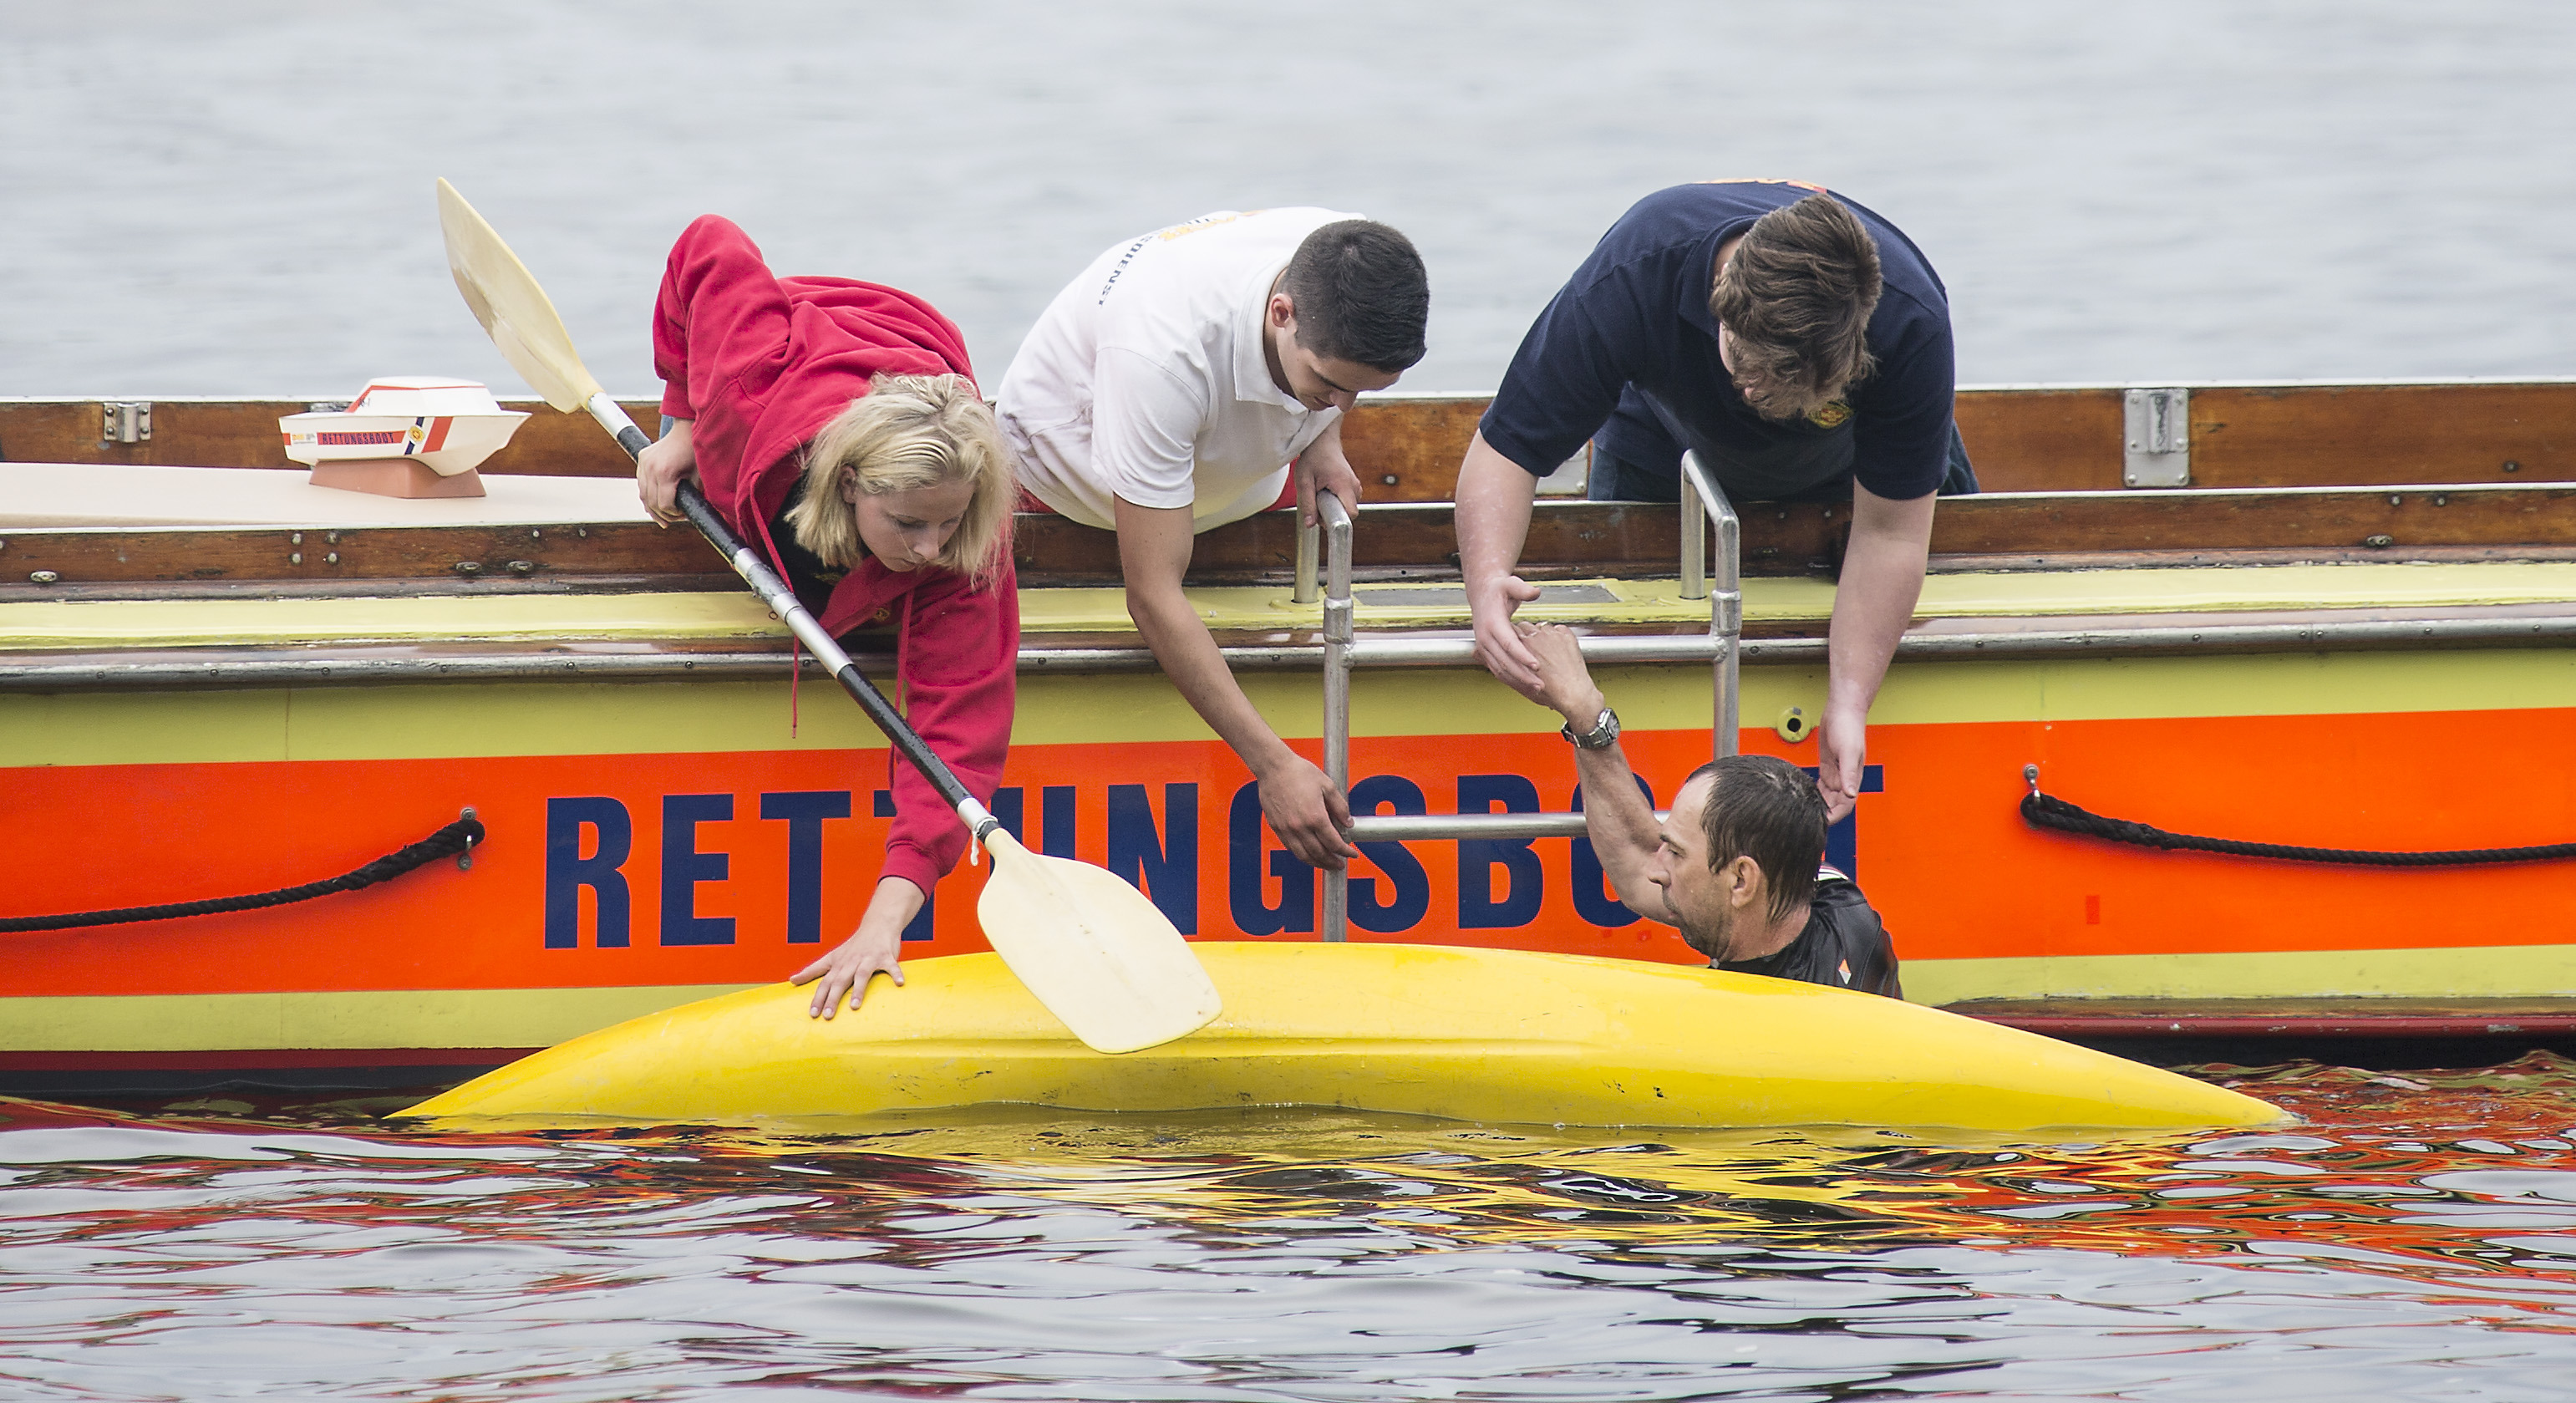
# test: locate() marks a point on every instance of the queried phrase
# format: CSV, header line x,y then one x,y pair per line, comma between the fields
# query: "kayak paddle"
x,y
1091,948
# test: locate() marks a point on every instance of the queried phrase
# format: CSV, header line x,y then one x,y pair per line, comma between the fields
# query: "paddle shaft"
x,y
801,621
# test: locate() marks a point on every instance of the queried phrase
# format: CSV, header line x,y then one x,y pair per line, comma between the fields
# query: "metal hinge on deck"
x,y
126,421
2157,425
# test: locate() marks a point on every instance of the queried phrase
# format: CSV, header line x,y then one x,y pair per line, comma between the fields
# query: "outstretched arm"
x,y
1616,816
1495,496
1304,808
1882,578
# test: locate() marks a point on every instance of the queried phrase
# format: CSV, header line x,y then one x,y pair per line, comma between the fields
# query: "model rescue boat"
x,y
399,425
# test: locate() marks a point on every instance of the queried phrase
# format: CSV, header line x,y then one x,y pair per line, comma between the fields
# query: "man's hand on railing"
x,y
1499,645
1323,468
1307,812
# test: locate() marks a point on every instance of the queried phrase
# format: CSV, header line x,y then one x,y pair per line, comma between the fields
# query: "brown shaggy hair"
x,y
910,431
1796,299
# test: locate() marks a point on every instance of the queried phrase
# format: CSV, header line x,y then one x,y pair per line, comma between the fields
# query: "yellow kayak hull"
x,y
1492,1036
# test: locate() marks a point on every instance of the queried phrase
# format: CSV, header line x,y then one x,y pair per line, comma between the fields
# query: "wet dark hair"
x,y
1361,295
1768,810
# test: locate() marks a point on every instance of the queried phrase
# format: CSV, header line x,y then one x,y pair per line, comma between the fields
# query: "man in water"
x,y
1739,865
1799,344
1170,388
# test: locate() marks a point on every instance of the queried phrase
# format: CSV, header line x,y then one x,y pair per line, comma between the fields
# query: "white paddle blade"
x,y
512,308
1094,950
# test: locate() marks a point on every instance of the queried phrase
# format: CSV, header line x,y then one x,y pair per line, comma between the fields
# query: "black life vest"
x,y
1843,947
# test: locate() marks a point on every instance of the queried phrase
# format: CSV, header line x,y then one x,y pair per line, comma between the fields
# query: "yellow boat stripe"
x,y
495,618
77,624
404,1018
461,719
2262,684
2504,971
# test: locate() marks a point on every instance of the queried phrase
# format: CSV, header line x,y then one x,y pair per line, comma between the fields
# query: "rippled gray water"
x,y
236,199
2415,1239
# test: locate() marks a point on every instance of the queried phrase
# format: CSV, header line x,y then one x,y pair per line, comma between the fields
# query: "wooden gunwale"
x,y
2023,438
2329,471
1394,541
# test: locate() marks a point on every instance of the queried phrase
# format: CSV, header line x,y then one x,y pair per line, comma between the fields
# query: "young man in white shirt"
x,y
1169,389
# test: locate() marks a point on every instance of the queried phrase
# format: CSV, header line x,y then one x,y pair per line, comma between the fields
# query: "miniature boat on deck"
x,y
1491,1036
2333,616
448,426
407,436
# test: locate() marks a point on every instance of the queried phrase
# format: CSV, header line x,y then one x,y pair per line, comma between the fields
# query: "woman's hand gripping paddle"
x,y
1092,948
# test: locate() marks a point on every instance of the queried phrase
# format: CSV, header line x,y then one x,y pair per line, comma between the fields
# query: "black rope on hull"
x,y
2048,811
451,841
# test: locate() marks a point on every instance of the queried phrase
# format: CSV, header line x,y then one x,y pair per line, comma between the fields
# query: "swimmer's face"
x,y
1695,899
907,530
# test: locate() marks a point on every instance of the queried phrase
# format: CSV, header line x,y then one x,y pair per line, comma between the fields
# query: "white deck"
x,y
91,494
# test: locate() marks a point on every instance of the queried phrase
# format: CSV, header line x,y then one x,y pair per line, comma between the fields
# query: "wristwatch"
x,y
1603,735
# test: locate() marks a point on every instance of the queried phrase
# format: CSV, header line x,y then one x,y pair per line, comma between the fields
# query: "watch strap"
x,y
1604,732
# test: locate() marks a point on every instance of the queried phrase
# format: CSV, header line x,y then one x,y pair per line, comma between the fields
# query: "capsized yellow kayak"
x,y
1495,1036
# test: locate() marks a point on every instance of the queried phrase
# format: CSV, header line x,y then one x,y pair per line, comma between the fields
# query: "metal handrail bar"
x,y
1335,923
1305,591
1703,502
1726,601
1612,649
1400,828
1343,649
1404,828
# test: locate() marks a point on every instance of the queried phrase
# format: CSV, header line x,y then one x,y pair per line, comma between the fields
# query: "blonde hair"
x,y
910,431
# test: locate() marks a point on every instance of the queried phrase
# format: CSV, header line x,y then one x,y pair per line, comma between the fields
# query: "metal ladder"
x,y
1702,504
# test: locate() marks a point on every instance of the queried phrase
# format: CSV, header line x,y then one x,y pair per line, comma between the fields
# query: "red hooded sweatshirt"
x,y
762,363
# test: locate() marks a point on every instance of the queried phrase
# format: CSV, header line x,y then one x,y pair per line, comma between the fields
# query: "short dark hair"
x,y
1769,810
1361,295
1797,296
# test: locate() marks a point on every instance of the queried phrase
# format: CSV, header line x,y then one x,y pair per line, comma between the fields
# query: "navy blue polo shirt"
x,y
1626,355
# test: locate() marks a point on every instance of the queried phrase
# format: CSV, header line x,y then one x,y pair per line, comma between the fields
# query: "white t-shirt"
x,y
1145,378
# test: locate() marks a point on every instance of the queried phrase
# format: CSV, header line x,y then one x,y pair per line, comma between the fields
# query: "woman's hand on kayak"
x,y
664,464
873,949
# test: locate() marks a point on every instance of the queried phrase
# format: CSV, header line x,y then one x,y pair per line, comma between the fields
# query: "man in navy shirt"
x,y
1795,341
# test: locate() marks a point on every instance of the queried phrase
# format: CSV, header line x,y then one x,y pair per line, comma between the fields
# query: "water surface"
x,y
2414,1238
237,198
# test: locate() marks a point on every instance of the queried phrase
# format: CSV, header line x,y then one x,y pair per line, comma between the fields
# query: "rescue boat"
x,y
2331,616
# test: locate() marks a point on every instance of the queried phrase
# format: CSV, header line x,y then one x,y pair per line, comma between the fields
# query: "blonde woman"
x,y
836,425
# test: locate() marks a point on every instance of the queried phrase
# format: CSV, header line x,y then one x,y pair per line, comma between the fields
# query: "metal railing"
x,y
1702,503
